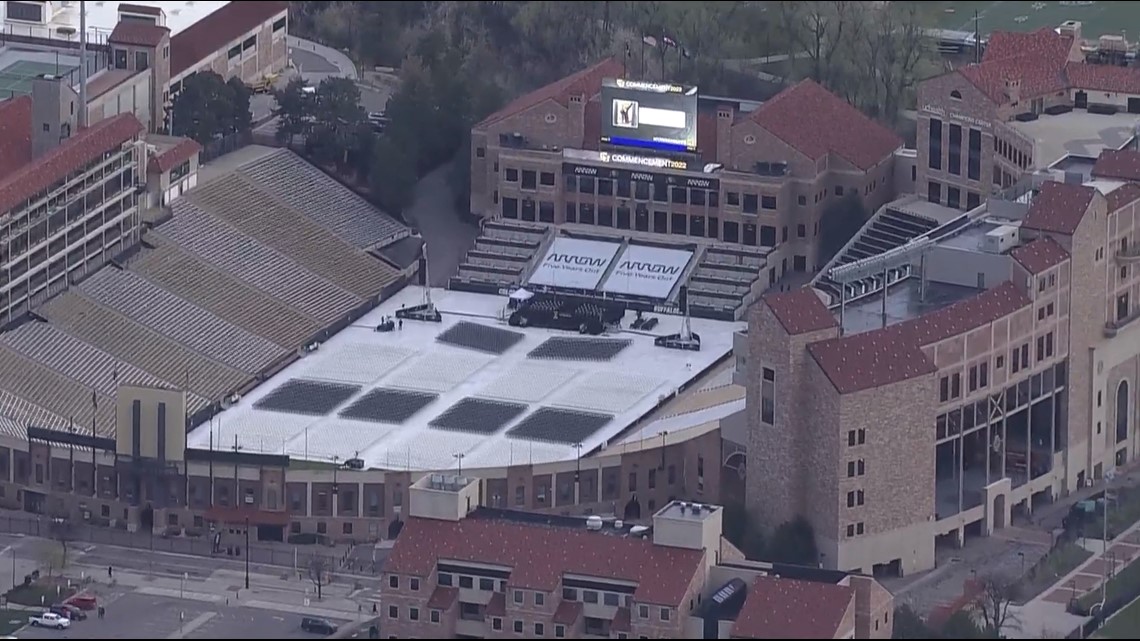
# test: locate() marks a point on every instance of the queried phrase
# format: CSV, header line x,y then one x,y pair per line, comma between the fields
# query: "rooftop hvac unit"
x,y
1000,239
594,523
638,530
618,524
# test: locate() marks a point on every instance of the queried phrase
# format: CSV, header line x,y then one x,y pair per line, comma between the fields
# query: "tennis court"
x,y
1098,18
17,78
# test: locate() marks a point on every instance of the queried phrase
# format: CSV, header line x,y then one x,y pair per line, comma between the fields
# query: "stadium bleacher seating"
x,y
724,278
888,229
307,189
501,254
192,279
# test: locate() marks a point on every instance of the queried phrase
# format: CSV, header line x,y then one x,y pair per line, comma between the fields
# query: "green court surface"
x,y
17,78
1097,18
1123,625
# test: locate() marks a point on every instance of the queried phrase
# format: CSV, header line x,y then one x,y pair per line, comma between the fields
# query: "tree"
x,y
63,533
992,606
793,542
337,120
909,625
961,625
392,176
818,30
741,530
891,44
320,573
294,111
208,108
840,221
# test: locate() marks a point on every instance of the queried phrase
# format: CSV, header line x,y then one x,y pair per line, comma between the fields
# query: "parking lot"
x,y
138,616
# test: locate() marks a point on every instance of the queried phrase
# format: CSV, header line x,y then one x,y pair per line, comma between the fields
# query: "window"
x,y
801,231
751,204
652,478
934,192
529,179
632,482
511,175
510,208
768,202
560,631
434,616
954,153
974,162
279,25
496,623
733,198
768,396
671,474
538,629
487,585
142,60
393,612
546,179
444,579
518,627
569,594
518,596
935,148
664,614
249,43
394,582
643,611
413,614
466,582
589,596
539,598
610,598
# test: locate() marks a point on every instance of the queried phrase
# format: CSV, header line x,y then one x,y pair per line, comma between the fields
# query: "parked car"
x,y
69,611
49,620
318,626
82,601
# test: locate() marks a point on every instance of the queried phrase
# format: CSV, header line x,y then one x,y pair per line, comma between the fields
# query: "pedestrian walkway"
x,y
1047,614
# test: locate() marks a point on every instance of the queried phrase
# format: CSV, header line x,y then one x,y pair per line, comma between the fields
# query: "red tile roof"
x,y
139,9
963,316
815,122
138,34
82,148
865,361
779,608
1109,78
1039,255
859,362
1059,207
1121,164
1037,59
176,155
540,555
218,30
587,82
800,311
567,612
1123,195
1040,61
15,134
442,597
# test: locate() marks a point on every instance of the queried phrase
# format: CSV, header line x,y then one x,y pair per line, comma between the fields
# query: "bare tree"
x,y
63,532
889,49
818,30
320,573
998,593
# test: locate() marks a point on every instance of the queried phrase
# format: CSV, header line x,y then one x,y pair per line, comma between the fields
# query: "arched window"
x,y
956,95
1122,412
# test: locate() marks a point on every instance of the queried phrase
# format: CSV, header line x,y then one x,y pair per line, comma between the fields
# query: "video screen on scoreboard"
x,y
649,115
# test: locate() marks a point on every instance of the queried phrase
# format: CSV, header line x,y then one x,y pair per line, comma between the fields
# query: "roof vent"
x,y
638,530
594,522
618,524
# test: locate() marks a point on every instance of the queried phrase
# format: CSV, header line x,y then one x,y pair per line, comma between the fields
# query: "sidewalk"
x,y
1047,614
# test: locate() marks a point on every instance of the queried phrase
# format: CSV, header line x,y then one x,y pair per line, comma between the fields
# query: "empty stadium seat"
x,y
242,204
111,332
192,279
151,306
250,261
310,191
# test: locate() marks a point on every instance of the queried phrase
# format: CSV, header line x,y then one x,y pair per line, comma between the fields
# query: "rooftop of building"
x,y
250,267
783,608
540,550
102,17
416,397
218,28
167,152
806,116
1077,133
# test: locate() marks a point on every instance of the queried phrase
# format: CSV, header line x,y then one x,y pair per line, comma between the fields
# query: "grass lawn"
x,y
12,620
1097,18
1062,560
45,593
1124,625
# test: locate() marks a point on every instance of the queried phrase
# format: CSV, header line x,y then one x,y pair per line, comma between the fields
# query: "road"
x,y
141,616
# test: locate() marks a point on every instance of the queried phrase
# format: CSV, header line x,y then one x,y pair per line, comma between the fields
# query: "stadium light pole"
x,y
459,457
247,552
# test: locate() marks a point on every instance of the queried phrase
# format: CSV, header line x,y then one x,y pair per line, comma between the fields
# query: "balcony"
x,y
1129,254
1111,328
470,629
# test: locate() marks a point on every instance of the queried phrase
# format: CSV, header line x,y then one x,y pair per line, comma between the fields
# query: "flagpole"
x,y
663,48
642,76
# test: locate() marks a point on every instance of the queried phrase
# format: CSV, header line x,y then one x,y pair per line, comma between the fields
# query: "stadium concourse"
x,y
226,288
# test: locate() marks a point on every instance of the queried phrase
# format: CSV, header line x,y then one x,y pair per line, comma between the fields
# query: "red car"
x,y
82,601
